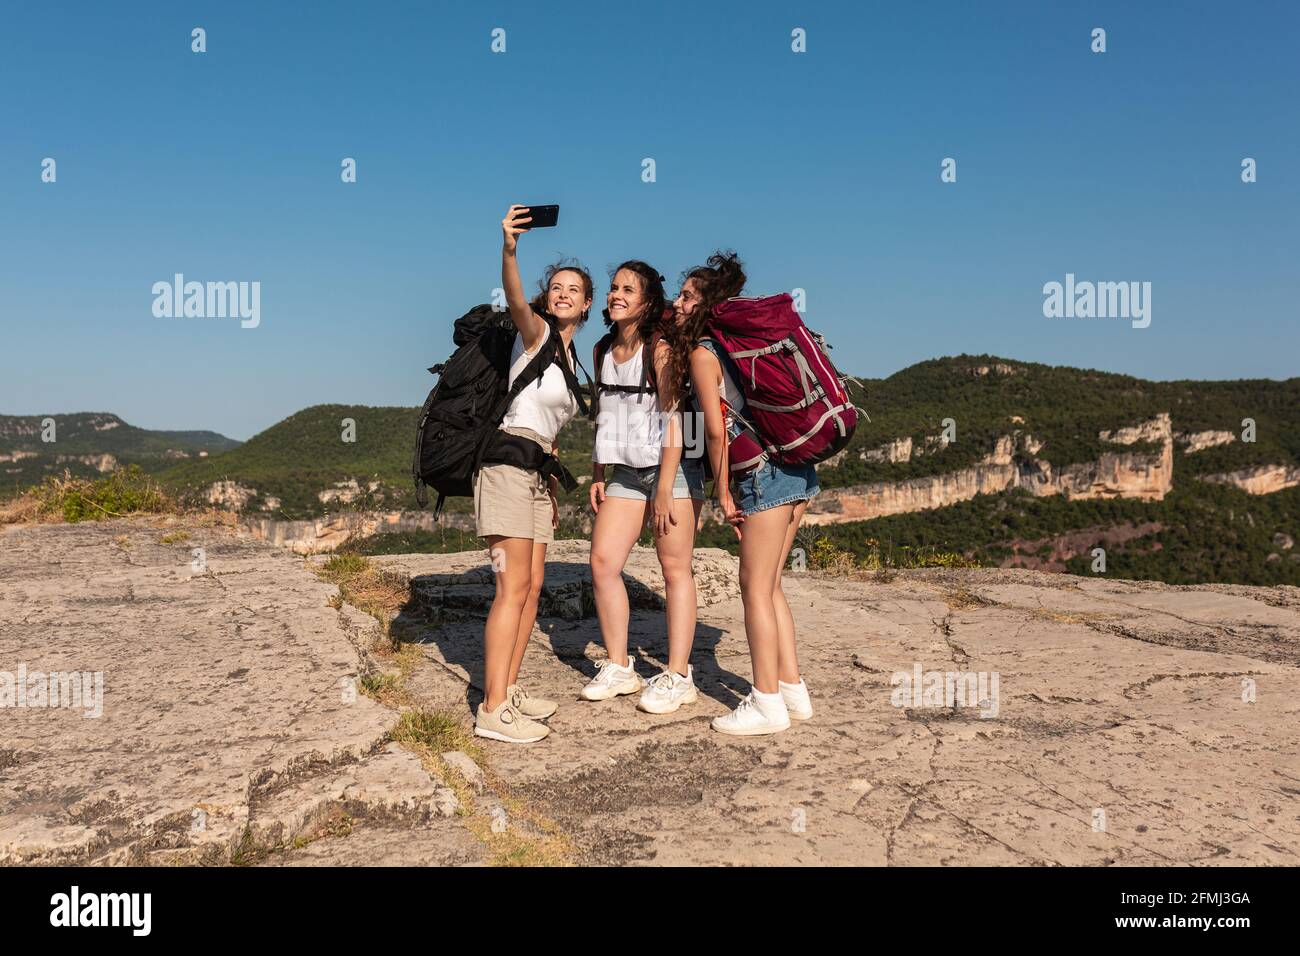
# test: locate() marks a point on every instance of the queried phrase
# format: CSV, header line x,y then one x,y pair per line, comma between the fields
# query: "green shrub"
x,y
124,491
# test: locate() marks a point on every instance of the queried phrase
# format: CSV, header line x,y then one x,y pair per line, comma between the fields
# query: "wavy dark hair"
x,y
720,278
554,269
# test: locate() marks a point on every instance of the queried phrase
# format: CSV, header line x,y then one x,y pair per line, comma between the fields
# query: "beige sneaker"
x,y
534,708
506,723
611,681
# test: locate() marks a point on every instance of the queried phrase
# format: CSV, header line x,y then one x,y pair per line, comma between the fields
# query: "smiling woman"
x,y
640,476
514,505
563,289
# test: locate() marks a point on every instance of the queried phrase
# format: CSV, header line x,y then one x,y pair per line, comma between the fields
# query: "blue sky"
x,y
821,169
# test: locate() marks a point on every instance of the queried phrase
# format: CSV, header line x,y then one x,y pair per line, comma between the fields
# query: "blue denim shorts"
x,y
624,481
774,484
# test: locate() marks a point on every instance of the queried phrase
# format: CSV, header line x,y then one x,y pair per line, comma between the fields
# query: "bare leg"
x,y
512,562
761,556
787,656
618,525
675,549
529,617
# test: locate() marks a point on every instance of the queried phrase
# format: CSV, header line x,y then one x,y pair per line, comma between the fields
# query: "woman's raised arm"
x,y
530,325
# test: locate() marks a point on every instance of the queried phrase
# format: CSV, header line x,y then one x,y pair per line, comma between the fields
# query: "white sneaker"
x,y
611,681
755,716
667,691
796,698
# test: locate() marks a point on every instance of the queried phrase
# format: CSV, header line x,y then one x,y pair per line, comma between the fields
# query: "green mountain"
x,y
1064,408
88,443
304,466
1133,456
1170,525
285,469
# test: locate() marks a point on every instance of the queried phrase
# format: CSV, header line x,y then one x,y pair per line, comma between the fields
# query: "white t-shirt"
x,y
546,404
629,428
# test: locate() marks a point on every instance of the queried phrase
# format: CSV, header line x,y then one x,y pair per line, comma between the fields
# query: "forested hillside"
x,y
940,419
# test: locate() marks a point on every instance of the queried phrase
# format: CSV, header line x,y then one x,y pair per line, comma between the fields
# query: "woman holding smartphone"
x,y
639,475
766,510
514,508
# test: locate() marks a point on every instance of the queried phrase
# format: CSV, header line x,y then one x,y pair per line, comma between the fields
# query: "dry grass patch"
x,y
388,685
24,509
518,835
377,591
1066,617
121,493
337,824
880,563
964,599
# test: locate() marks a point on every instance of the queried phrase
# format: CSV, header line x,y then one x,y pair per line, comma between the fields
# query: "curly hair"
x,y
719,279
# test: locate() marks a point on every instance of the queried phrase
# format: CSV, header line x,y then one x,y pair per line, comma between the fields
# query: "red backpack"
x,y
794,397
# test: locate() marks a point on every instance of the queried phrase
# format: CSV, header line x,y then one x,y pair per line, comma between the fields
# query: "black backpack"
x,y
459,428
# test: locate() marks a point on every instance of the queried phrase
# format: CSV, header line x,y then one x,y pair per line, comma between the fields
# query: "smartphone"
x,y
543,216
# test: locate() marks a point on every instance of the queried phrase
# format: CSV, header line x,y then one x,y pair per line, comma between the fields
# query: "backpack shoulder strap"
x,y
598,364
648,361
647,386
598,351
534,370
722,355
553,352
570,377
577,363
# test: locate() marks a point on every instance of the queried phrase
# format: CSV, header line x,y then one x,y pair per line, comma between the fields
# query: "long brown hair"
x,y
720,278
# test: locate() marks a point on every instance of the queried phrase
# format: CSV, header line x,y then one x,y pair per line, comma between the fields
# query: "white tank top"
x,y
629,428
543,408
727,388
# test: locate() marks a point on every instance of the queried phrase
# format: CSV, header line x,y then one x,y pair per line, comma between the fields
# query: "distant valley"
x,y
34,447
1011,463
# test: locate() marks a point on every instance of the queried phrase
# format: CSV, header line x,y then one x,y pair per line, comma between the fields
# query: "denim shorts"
x,y
774,484
639,484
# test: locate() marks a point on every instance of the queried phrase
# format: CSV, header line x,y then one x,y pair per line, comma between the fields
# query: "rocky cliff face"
x,y
101,463
229,494
1198,441
860,502
326,534
1261,480
898,450
345,492
1148,476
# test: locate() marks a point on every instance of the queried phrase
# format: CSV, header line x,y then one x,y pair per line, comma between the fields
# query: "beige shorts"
x,y
513,503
